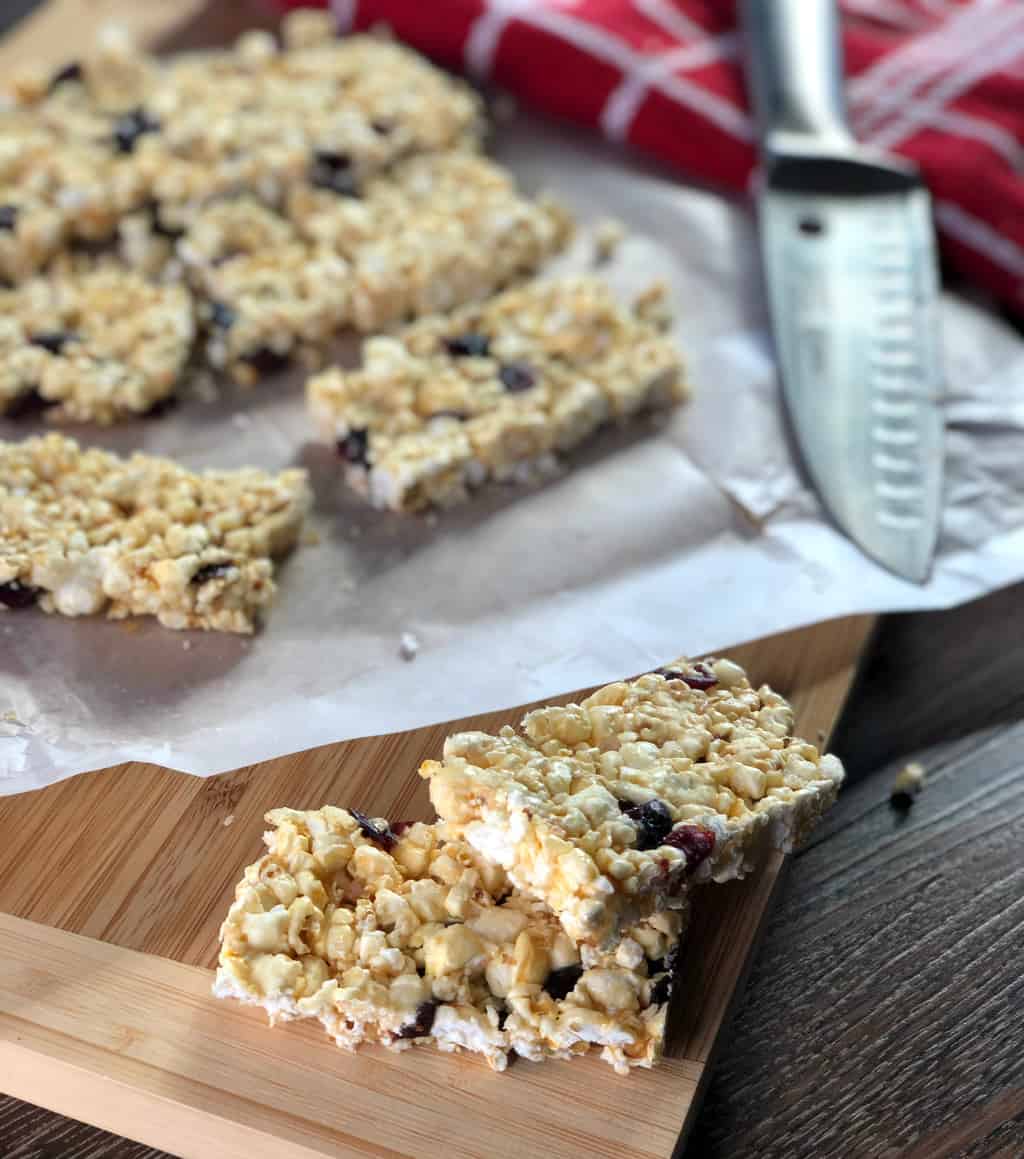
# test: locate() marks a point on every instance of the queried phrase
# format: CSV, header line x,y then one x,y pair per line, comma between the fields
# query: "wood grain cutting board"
x,y
112,887
113,884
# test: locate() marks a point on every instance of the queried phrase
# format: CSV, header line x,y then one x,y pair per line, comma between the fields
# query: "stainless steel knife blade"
x,y
851,274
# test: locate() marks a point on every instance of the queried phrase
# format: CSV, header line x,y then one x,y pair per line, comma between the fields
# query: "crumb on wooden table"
x,y
908,783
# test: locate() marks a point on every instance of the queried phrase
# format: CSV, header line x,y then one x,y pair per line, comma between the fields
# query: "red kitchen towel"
x,y
939,81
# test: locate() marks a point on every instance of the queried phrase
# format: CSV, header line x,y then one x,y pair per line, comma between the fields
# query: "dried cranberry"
x,y
653,822
92,247
696,841
265,360
468,345
333,171
563,981
161,407
225,255
161,229
211,571
8,216
222,317
701,677
158,226
15,594
516,377
354,446
385,837
423,1020
130,126
69,72
23,406
52,340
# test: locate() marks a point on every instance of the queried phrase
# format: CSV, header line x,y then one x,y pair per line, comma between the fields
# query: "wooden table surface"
x,y
885,1013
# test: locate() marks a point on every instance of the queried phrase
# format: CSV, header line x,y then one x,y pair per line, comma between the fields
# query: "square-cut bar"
x,y
433,233
496,390
605,808
83,531
97,346
402,935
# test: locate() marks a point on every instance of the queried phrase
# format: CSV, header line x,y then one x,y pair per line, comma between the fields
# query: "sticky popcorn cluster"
x,y
542,914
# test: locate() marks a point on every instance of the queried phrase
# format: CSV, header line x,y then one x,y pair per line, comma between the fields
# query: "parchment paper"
x,y
681,537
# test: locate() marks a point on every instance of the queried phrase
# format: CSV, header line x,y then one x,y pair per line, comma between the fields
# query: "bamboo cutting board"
x,y
113,884
112,887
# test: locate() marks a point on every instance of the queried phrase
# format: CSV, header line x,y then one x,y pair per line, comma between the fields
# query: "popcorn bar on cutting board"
x,y
603,809
120,131
84,531
435,232
403,935
92,347
492,391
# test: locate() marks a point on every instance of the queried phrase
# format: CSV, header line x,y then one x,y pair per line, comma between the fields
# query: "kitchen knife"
x,y
850,268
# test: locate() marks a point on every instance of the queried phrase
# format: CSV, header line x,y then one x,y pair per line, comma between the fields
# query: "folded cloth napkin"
x,y
938,81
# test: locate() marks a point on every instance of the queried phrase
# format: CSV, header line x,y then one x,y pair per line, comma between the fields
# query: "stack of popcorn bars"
x,y
542,913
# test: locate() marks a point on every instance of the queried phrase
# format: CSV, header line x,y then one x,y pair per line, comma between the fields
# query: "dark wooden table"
x,y
885,1013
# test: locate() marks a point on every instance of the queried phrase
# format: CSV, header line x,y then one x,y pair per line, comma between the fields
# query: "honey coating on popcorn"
x,y
85,531
120,130
96,346
431,234
602,809
296,190
265,295
397,937
491,391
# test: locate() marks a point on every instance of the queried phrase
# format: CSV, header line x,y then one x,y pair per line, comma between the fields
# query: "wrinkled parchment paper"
x,y
686,536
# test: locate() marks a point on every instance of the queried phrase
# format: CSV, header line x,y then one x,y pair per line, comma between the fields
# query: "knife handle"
x,y
795,75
